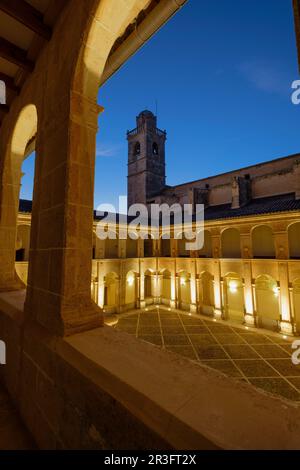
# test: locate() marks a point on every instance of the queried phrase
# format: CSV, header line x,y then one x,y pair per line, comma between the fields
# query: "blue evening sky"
x,y
221,73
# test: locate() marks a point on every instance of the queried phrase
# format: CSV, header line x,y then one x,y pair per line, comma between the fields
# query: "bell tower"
x,y
146,159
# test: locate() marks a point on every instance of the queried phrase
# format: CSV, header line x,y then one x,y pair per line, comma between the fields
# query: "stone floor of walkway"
x,y
13,434
260,358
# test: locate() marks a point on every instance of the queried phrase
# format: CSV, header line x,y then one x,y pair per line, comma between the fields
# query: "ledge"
x,y
190,406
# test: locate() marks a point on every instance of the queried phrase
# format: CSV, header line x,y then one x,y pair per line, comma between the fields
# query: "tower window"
x,y
137,149
155,149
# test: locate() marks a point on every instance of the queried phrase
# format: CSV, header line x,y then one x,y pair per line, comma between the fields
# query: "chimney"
x,y
241,191
296,178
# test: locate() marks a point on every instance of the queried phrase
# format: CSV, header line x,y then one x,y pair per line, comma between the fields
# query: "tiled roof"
x,y
265,205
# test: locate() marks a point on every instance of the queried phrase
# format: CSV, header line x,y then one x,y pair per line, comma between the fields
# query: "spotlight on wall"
x,y
130,280
276,291
233,287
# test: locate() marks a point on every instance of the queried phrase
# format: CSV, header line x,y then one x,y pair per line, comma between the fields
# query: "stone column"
x,y
193,306
246,243
140,248
248,294
59,278
142,303
121,248
285,307
174,248
217,289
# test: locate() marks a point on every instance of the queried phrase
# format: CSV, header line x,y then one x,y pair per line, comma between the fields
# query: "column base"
x,y
173,304
193,308
286,328
250,320
142,304
218,313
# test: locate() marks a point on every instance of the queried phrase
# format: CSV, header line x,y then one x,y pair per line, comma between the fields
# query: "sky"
x,y
221,75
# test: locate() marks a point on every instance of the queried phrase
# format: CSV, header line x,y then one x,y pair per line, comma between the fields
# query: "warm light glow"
x,y
215,320
190,314
130,280
246,328
182,281
169,309
233,287
276,291
284,337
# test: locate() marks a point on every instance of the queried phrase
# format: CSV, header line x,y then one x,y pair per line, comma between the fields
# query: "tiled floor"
x,y
262,359
13,435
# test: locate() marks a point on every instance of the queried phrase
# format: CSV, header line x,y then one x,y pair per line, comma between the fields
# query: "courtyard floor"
x,y
260,358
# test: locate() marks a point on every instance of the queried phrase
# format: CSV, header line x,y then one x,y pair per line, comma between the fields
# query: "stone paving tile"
x,y
270,351
225,366
237,351
295,381
149,330
194,329
173,330
154,339
254,338
218,329
285,367
211,351
170,321
176,340
187,320
186,351
229,338
202,339
277,386
255,368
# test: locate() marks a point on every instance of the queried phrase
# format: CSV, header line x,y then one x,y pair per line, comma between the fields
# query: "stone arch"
x,y
110,302
231,243
206,293
263,245
267,301
234,297
294,240
149,285
25,129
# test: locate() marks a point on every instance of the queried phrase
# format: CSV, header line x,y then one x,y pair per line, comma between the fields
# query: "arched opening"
x,y
267,302
263,242
234,297
231,243
155,148
137,149
206,251
207,293
131,294
149,286
184,290
296,303
166,287
294,240
110,292
21,147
